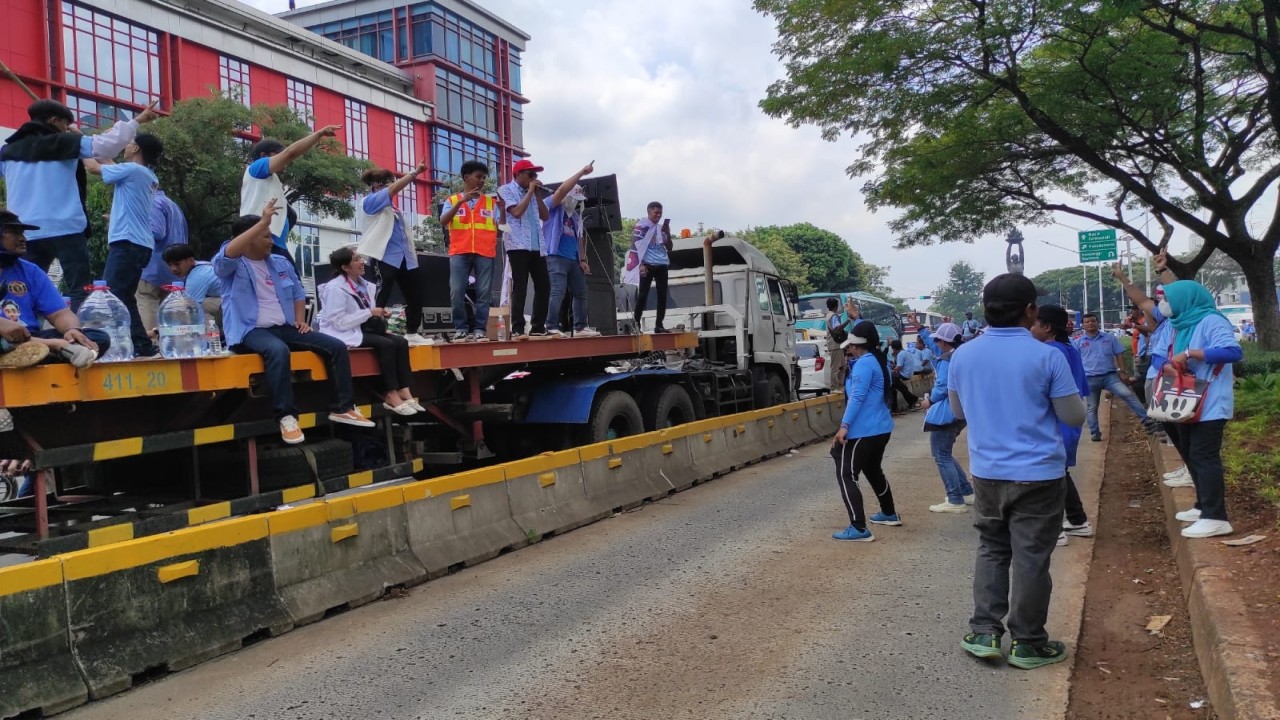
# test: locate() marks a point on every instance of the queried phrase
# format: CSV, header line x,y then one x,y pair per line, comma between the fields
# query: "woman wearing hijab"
x,y
858,448
1205,344
942,424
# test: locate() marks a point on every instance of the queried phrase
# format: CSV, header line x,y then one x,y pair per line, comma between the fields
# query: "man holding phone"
x,y
648,262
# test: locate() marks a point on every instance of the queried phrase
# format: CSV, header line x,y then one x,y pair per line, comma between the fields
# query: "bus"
x,y
913,321
813,312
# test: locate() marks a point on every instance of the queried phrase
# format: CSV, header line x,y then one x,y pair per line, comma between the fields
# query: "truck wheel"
x,y
770,391
614,416
667,407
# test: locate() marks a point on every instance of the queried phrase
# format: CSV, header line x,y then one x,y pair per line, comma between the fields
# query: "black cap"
x,y
8,219
1010,288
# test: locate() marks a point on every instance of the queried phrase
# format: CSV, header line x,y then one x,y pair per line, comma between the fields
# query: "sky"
x,y
665,93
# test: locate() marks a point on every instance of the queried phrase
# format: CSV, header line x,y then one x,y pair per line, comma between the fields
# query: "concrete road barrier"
x,y
822,419
37,671
341,552
709,450
666,454
795,424
771,430
170,601
548,496
614,482
648,460
460,520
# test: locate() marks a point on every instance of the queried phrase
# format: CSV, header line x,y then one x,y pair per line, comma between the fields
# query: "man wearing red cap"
x,y
523,243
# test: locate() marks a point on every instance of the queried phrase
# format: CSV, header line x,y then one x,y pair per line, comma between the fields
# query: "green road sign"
x,y
1098,245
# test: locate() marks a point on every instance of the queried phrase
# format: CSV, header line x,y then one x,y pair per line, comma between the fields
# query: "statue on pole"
x,y
1014,256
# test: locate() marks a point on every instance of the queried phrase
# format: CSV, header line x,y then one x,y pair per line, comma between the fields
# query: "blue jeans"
x,y
461,267
566,274
125,262
953,478
1111,381
72,252
274,345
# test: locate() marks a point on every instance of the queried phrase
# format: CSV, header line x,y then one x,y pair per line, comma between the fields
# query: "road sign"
x,y
1098,245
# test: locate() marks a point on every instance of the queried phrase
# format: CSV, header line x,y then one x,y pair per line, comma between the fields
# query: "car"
x,y
813,366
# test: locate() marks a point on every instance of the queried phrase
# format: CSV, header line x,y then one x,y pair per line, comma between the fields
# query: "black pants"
x,y
72,252
526,264
408,281
1200,445
393,358
1172,430
900,386
1074,506
1139,383
862,456
653,274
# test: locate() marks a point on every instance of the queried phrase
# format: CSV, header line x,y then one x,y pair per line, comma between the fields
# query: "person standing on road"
x,y
904,367
168,229
859,445
1102,354
648,262
261,182
924,353
941,423
838,327
386,241
1205,345
970,327
1051,328
1013,391
472,219
524,246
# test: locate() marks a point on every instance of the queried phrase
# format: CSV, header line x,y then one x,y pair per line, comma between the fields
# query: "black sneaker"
x,y
659,330
1096,438
982,645
538,334
1029,657
460,337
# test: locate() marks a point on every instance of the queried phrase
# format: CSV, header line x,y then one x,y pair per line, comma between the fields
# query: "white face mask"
x,y
1165,308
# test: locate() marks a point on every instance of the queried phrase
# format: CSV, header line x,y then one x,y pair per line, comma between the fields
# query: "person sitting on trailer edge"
x,y
25,285
201,282
472,219
263,313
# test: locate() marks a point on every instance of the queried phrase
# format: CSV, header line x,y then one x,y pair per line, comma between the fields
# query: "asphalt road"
x,y
729,600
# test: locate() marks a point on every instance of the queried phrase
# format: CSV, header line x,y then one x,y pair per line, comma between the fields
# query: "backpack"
x,y
836,332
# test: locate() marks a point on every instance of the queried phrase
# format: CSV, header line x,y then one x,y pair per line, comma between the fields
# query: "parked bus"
x,y
813,312
913,321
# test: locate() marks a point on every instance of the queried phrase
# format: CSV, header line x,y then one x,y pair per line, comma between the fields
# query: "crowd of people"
x,y
1021,389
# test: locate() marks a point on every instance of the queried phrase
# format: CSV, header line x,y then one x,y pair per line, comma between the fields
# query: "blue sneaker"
x,y
882,519
853,534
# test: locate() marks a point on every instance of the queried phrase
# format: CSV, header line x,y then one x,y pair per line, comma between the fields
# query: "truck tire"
x,y
778,393
615,415
666,407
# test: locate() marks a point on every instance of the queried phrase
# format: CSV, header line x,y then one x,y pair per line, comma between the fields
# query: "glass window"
x,y
309,256
775,297
450,149
233,78
94,114
357,128
762,293
513,70
369,34
109,57
466,105
301,97
443,34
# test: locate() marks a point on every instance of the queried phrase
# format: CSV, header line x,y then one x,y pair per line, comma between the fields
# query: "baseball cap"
x,y
8,219
853,340
947,332
864,333
525,164
1010,289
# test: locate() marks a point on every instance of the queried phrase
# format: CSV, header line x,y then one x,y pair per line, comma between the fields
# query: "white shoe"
x,y
1207,528
1084,529
1179,473
968,499
1062,538
404,408
413,402
415,339
948,507
554,333
1183,480
586,332
1192,515
478,336
289,430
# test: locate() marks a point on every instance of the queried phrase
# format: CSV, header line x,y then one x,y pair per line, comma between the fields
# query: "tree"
x,y
984,115
784,257
622,243
829,264
205,158
1077,288
962,293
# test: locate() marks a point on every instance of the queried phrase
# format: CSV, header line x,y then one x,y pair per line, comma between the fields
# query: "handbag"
x,y
837,331
1177,395
374,325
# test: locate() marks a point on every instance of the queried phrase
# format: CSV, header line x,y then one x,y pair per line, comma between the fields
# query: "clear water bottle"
x,y
103,311
503,336
213,336
181,325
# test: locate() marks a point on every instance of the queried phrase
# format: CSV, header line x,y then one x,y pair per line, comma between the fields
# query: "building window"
x,y
109,57
406,145
368,34
233,78
450,149
517,124
357,129
409,207
466,105
301,97
441,33
513,70
96,114
308,256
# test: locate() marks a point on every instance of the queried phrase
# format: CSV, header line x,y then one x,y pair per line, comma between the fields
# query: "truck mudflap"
x,y
569,400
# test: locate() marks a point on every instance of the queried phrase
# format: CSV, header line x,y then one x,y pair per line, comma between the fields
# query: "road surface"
x,y
729,600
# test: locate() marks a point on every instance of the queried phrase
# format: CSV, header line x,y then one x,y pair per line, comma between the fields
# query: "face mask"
x,y
1166,309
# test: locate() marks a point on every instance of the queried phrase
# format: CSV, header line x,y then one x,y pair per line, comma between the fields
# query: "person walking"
x,y
1013,390
386,241
970,327
348,313
648,262
1051,327
859,445
941,423
1102,355
1205,345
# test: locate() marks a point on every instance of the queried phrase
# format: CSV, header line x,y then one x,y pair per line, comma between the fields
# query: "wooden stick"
x,y
5,69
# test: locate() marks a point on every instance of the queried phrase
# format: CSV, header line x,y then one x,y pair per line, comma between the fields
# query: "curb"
x,y
1234,666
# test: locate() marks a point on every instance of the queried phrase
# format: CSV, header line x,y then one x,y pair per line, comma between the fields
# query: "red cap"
x,y
525,164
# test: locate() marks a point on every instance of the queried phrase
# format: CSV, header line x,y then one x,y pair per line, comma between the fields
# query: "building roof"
x,y
343,9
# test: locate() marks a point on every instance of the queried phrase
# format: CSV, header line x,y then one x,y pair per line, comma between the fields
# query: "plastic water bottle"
x,y
103,311
502,329
213,335
181,324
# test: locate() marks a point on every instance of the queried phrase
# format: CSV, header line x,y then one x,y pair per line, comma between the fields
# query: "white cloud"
x,y
664,94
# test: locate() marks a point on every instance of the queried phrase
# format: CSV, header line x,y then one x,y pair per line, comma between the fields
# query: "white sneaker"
x,y
1192,515
948,507
1084,529
413,402
404,408
416,339
1062,538
289,430
1207,528
968,499
1175,474
554,333
1183,480
478,336
587,332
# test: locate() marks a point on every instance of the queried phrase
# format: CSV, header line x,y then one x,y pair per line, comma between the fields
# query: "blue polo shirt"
x,y
132,203
1098,352
240,299
202,282
865,412
1006,381
906,363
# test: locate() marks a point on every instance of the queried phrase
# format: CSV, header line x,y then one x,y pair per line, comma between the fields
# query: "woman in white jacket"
x,y
347,313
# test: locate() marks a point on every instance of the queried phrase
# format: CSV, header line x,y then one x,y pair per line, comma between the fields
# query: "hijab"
x,y
1191,302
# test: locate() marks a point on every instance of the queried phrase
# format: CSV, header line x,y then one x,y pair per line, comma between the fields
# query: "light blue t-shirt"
x,y
865,412
132,204
906,363
1006,381
1098,353
202,282
1214,331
